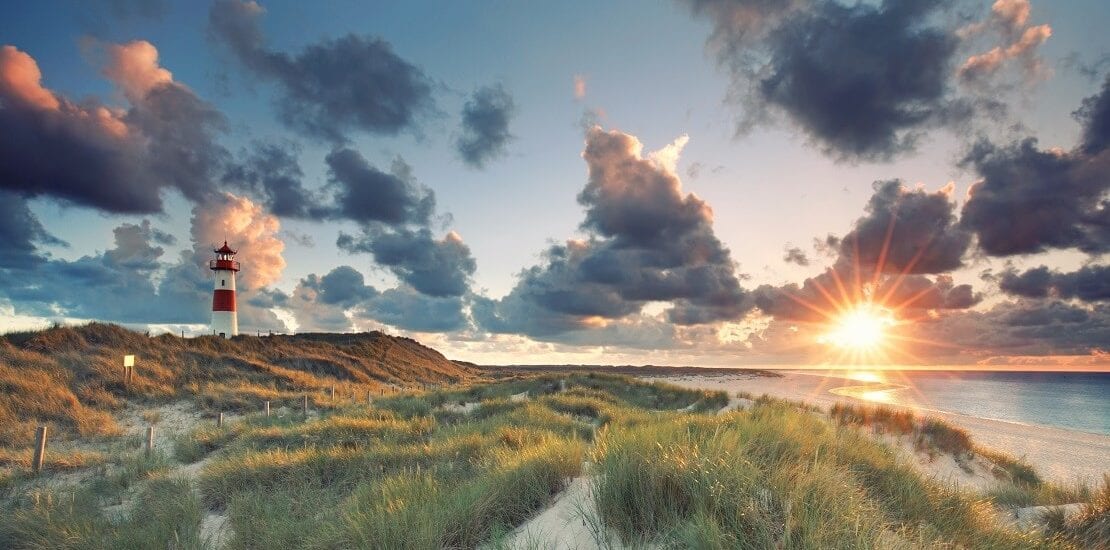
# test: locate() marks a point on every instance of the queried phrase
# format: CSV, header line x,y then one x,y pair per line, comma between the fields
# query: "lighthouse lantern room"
x,y
225,320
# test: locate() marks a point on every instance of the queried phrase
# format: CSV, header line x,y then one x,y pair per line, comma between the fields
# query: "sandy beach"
x,y
1058,454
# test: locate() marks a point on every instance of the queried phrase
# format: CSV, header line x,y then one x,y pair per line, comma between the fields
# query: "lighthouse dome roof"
x,y
225,249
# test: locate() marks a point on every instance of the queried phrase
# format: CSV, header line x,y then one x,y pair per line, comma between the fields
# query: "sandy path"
x,y
563,525
1058,454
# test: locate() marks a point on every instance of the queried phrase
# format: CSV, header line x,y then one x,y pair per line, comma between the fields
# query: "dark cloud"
x,y
271,172
343,285
485,126
884,259
394,212
1094,115
820,299
116,161
1039,327
1089,283
340,298
436,267
648,242
905,230
365,194
330,87
1030,200
861,80
21,233
409,309
795,255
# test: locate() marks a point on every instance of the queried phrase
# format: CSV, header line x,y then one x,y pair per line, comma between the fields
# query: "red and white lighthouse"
x,y
225,320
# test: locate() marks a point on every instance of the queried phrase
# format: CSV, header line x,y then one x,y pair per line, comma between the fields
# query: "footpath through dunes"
x,y
524,462
554,461
72,378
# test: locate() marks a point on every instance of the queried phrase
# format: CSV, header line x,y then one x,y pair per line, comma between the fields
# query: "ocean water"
x,y
1072,400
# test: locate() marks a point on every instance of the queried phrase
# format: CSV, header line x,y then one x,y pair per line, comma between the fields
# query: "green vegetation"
x,y
777,476
1089,528
462,467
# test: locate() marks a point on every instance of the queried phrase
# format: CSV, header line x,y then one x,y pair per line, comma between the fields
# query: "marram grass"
x,y
412,472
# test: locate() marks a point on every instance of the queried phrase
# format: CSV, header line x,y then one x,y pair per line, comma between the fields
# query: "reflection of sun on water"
x,y
866,376
881,396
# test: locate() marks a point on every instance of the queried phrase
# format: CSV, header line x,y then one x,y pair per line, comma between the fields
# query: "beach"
x,y
1058,454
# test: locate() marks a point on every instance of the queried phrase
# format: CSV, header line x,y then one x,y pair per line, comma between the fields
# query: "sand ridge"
x,y
1059,455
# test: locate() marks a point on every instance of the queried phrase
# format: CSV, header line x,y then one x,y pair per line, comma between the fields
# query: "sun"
x,y
863,328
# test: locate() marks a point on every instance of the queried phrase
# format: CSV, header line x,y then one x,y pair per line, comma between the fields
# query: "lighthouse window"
x,y
222,282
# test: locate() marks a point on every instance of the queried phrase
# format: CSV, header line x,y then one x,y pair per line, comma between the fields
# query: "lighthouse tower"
x,y
225,321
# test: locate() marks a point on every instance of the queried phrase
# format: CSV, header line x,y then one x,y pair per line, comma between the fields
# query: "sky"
x,y
702,182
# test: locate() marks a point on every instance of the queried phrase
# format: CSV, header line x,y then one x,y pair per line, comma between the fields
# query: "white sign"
x,y
129,360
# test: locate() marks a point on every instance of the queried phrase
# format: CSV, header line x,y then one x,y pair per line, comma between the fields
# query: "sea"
x,y
1072,400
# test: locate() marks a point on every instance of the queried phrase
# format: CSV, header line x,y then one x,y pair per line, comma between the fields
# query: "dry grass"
x,y
71,378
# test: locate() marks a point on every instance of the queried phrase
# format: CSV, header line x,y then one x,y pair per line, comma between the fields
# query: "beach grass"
x,y
464,466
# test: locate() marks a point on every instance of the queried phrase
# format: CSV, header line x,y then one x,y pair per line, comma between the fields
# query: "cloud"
x,y
21,233
1030,200
1034,328
839,72
886,257
366,194
579,87
1010,19
485,124
116,160
409,309
1094,114
795,255
341,299
343,285
330,87
434,267
1089,283
133,282
247,228
272,172
905,230
647,242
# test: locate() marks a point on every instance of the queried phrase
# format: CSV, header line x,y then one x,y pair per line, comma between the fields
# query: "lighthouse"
x,y
225,321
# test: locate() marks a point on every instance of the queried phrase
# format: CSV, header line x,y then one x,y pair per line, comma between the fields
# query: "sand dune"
x,y
1058,454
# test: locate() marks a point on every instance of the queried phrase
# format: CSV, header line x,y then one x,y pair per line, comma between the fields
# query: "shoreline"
x,y
1059,454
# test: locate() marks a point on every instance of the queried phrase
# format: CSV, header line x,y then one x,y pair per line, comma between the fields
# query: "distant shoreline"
x,y
632,370
1061,454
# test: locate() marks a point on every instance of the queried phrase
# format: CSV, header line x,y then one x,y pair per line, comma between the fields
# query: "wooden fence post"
x,y
304,405
220,420
149,440
369,397
40,449
333,393
266,406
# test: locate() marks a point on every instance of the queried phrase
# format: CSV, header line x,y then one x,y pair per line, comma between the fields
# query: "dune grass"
x,y
408,472
71,378
773,477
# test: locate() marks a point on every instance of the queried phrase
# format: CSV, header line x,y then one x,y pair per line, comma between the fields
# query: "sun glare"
x,y
861,329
